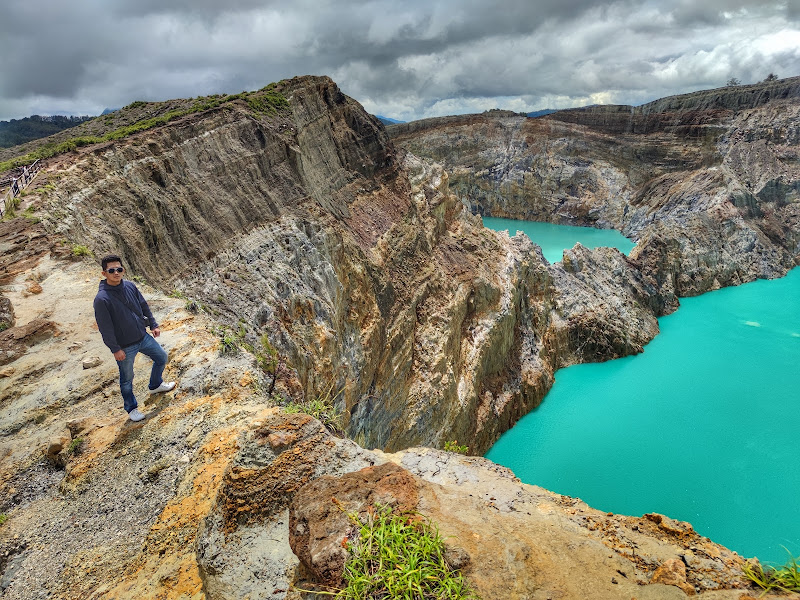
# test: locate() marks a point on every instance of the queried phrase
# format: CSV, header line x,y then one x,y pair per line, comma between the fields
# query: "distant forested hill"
x,y
19,131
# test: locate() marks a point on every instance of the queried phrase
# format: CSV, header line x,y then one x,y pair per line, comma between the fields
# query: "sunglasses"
x,y
113,270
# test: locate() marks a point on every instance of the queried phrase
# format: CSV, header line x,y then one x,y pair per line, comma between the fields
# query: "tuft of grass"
x,y
321,408
785,578
4,325
80,250
399,556
228,343
3,518
454,447
75,446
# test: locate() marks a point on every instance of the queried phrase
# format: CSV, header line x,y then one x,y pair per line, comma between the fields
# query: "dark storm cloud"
x,y
406,60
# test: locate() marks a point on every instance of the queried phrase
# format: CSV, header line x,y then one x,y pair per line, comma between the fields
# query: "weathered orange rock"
x,y
318,514
673,572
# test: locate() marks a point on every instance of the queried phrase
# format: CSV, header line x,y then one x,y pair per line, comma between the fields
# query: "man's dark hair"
x,y
109,258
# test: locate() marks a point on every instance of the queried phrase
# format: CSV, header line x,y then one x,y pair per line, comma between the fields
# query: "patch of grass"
x,y
3,518
454,447
785,578
28,214
321,408
227,343
4,325
80,250
399,556
75,446
267,101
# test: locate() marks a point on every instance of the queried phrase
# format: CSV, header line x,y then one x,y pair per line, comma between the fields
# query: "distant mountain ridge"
x,y
19,131
542,113
387,120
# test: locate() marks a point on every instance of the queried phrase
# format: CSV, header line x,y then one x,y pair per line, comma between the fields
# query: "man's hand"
x,y
119,355
156,332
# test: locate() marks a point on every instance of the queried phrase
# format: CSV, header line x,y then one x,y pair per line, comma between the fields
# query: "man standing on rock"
x,y
122,315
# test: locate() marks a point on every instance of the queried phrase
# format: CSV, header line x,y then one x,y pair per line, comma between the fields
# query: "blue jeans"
x,y
149,347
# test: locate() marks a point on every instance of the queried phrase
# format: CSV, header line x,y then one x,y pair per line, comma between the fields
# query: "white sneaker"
x,y
164,387
135,415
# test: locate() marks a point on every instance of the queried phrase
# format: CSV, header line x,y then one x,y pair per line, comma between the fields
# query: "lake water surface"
x,y
554,238
704,426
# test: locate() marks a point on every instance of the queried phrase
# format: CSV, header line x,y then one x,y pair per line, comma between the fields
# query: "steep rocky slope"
x,y
355,260
708,184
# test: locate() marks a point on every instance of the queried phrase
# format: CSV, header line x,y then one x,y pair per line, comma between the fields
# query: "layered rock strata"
x,y
707,184
356,261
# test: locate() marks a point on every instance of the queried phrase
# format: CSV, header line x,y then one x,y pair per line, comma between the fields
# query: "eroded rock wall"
x,y
356,261
705,183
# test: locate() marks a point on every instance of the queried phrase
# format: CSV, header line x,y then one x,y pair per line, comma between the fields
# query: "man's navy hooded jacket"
x,y
120,311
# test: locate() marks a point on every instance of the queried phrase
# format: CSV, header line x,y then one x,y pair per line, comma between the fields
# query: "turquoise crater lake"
x,y
704,426
554,238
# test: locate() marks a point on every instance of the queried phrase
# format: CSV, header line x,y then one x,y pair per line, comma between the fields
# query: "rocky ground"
x,y
194,501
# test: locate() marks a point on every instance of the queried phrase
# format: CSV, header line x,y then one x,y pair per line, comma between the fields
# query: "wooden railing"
x,y
17,185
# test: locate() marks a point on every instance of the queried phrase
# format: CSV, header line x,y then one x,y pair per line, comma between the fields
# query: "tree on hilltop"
x,y
733,81
771,77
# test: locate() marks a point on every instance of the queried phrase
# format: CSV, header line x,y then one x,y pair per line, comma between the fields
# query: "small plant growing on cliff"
x,y
399,556
3,518
321,408
227,343
785,578
79,250
269,360
75,446
454,447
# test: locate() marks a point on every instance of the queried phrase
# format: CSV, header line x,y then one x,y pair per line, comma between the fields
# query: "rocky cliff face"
x,y
707,184
356,261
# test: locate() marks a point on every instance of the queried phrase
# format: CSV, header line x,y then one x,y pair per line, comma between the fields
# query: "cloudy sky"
x,y
402,59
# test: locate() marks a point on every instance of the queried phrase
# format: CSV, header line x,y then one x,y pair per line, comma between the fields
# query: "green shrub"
x,y
80,250
399,556
3,518
267,101
4,325
269,361
227,344
75,446
785,578
454,447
